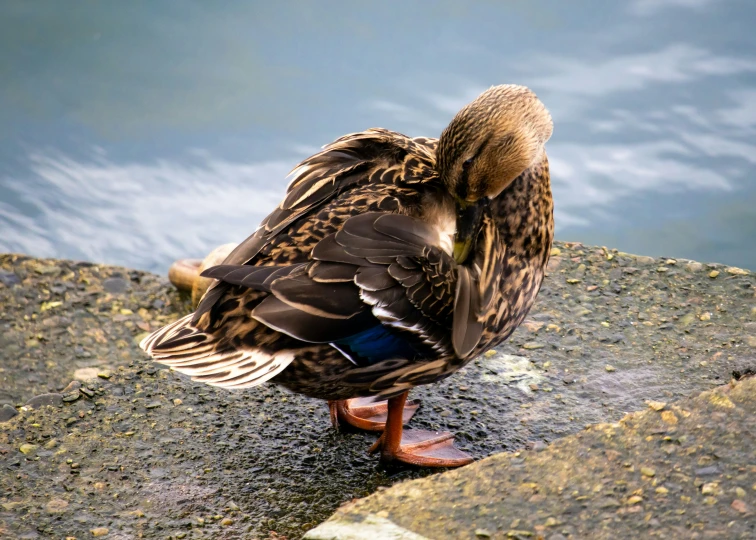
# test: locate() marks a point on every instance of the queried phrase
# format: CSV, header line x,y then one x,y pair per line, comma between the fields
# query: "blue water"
x,y
139,132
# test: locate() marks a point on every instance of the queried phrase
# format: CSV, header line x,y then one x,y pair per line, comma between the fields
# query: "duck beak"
x,y
468,221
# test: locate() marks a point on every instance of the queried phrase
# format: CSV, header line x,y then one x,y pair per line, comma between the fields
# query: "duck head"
x,y
488,144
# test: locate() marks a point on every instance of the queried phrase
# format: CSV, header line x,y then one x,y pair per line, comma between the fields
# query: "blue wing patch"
x,y
374,345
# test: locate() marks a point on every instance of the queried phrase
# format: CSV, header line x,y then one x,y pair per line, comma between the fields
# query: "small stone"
x,y
47,270
710,488
734,270
115,285
532,345
177,401
532,326
489,353
28,448
643,259
49,305
56,506
126,311
514,533
73,385
226,522
739,506
606,502
7,412
668,417
574,281
662,269
740,492
705,316
610,369
687,319
144,326
694,266
556,252
71,396
661,490
87,392
647,471
635,499
52,400
104,374
656,405
482,533
9,278
713,274
152,405
99,531
52,443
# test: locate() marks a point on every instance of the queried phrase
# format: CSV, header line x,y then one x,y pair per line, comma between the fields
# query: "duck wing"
x,y
375,156
220,344
381,281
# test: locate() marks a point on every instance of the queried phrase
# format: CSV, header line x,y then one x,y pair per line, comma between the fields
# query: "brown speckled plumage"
x,y
380,207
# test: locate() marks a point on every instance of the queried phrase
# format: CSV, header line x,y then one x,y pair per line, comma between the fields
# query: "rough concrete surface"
x,y
682,470
141,451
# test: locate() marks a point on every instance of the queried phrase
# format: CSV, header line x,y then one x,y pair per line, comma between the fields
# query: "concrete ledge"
x,y
139,450
682,470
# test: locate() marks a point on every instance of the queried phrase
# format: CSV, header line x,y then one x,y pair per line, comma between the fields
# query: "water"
x,y
138,132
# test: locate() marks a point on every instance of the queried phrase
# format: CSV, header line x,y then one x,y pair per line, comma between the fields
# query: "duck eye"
x,y
466,164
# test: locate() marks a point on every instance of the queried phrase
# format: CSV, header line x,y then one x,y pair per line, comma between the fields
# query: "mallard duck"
x,y
391,262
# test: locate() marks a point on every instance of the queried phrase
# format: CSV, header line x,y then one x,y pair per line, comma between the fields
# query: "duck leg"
x,y
362,413
416,446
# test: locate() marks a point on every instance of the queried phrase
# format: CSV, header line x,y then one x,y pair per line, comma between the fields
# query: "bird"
x,y
391,262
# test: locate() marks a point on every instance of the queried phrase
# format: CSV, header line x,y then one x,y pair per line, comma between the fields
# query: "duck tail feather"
x,y
205,359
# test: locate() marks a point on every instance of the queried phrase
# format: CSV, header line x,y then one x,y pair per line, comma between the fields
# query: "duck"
x,y
391,262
